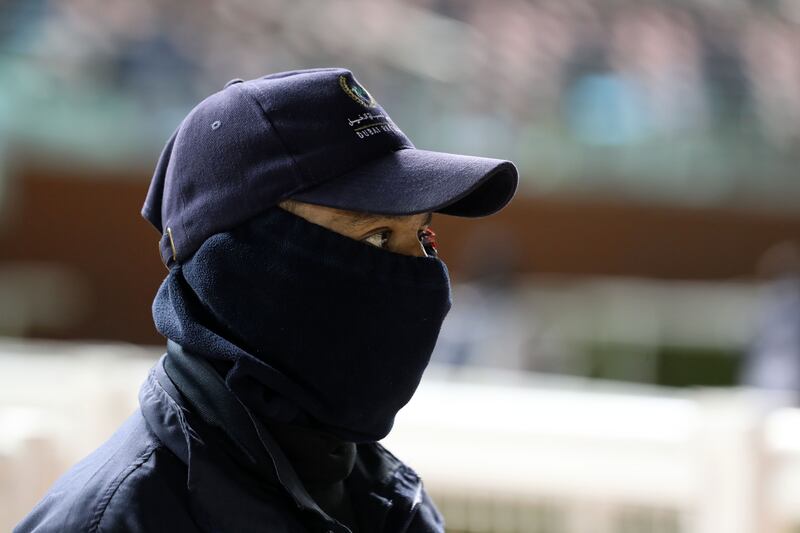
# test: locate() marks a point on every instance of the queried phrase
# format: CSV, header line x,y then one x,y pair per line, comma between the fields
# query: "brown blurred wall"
x,y
91,224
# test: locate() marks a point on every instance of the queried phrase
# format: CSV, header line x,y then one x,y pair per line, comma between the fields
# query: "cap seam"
x,y
295,166
182,219
176,249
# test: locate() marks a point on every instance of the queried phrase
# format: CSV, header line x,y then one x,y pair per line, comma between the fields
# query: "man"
x,y
303,300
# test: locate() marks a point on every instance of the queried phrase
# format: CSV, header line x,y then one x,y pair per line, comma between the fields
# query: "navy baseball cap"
x,y
316,136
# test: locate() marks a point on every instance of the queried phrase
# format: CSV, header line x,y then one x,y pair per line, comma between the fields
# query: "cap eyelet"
x,y
216,124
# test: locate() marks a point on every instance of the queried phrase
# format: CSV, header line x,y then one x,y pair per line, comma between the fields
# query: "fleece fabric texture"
x,y
316,328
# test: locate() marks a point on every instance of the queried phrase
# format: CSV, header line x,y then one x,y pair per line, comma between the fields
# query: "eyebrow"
x,y
357,219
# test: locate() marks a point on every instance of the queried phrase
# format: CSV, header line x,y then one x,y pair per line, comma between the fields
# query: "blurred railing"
x,y
498,452
535,456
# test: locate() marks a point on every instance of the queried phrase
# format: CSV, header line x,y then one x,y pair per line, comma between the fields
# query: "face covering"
x,y
311,327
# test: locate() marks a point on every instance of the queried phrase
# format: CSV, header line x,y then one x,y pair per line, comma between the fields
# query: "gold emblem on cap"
x,y
357,92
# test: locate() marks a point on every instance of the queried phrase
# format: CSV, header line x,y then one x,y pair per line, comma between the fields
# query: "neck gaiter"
x,y
311,326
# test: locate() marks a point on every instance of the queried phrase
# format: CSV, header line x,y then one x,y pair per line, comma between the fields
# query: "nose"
x,y
419,250
411,245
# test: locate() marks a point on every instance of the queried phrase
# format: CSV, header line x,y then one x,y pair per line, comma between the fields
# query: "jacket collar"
x,y
383,488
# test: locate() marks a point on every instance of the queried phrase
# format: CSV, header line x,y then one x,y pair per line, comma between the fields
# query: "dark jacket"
x,y
162,472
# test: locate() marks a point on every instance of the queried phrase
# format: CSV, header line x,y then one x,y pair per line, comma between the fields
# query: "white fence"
x,y
499,452
600,460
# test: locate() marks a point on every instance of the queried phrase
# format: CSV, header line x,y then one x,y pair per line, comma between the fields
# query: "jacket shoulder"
x,y
121,486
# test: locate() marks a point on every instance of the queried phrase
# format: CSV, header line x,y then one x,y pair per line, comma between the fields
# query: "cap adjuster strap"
x,y
167,248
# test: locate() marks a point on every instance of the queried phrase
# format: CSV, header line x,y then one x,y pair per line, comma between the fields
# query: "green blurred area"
x,y
672,366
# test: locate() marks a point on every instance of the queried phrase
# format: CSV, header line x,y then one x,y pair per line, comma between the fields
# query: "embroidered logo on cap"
x,y
357,92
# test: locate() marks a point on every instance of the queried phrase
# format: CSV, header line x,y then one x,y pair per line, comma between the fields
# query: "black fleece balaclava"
x,y
314,326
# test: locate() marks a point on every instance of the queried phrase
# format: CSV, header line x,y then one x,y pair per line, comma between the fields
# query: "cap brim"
x,y
411,181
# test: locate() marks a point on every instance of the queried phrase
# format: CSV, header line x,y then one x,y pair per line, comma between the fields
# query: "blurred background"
x,y
623,353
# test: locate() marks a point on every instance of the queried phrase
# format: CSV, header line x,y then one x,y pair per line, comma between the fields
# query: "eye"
x,y
379,239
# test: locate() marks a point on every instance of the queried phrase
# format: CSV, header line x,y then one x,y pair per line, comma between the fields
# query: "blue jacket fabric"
x,y
160,472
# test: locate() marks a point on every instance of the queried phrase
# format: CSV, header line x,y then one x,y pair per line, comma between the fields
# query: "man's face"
x,y
399,234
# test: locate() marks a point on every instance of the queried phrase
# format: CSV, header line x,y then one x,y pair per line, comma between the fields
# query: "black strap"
x,y
213,402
